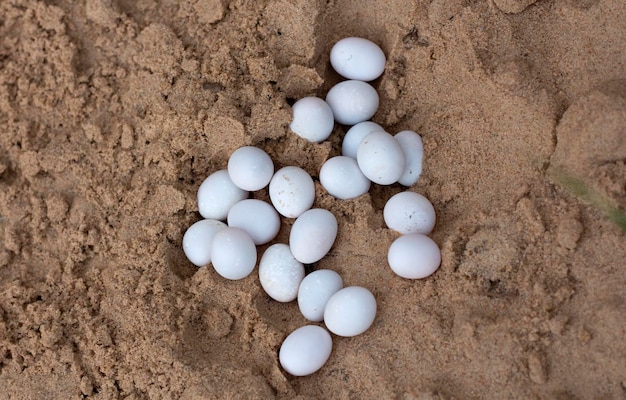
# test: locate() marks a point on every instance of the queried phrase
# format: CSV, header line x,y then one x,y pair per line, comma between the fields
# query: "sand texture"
x,y
113,112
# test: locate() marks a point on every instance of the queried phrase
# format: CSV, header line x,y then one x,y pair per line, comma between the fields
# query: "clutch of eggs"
x,y
368,154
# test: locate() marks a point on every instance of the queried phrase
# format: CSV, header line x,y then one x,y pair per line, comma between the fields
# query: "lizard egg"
x,y
381,158
312,119
233,253
409,212
342,178
250,168
357,58
198,238
217,194
305,350
350,311
314,292
414,256
355,135
258,218
312,235
280,274
292,191
352,102
413,149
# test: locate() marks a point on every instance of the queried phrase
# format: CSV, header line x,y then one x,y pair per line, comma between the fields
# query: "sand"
x,y
113,112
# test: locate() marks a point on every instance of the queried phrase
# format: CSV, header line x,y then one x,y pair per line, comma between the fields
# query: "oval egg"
x,y
217,194
315,290
357,58
292,191
313,119
352,102
312,235
280,273
305,350
258,218
414,256
342,178
381,158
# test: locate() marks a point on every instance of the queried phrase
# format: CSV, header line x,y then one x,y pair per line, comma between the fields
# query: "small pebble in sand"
x,y
414,256
312,120
357,58
305,350
315,290
350,311
280,273
250,168
352,101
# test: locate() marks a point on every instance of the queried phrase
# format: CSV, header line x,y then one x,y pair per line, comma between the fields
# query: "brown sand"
x,y
113,112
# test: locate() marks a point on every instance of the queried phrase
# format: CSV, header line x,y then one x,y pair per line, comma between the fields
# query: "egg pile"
x,y
235,224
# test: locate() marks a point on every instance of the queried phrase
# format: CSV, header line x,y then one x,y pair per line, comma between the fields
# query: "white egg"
x,y
352,102
312,235
305,350
350,311
313,119
414,256
357,58
280,274
233,253
314,292
258,218
381,158
250,168
292,191
409,212
413,148
198,238
342,178
217,194
355,135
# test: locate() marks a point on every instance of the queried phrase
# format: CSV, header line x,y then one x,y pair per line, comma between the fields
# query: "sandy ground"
x,y
113,112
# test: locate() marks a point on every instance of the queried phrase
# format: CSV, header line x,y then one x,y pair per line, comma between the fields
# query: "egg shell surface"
x,y
217,194
409,212
413,149
292,191
342,178
250,168
305,350
313,119
350,311
198,239
312,235
280,273
414,256
352,101
233,253
357,58
381,158
355,135
315,290
258,218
